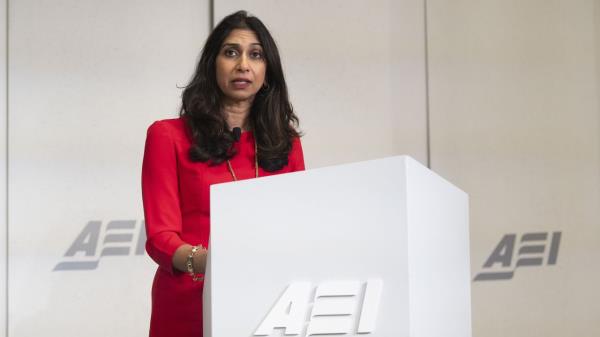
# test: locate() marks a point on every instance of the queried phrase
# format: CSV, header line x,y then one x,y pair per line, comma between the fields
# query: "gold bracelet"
x,y
190,263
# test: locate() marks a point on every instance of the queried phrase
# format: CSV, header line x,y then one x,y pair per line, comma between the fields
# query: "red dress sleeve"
x,y
296,156
160,194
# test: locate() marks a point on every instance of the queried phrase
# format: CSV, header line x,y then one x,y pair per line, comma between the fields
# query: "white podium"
x,y
376,248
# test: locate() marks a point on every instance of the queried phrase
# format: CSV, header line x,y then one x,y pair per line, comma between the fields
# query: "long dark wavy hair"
x,y
271,117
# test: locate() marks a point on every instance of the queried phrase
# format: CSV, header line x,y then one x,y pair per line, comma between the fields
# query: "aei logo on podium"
x,y
342,307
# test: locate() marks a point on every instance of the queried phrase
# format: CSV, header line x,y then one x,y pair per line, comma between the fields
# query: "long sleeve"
x,y
160,194
296,156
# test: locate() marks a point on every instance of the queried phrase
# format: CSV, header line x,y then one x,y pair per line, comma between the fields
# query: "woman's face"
x,y
240,66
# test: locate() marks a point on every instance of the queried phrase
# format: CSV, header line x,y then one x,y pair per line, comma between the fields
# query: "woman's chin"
x,y
239,97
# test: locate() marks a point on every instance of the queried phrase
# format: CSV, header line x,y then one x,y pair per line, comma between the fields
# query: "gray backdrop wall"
x,y
500,97
515,122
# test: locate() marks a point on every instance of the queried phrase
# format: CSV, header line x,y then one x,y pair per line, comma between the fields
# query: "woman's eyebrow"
x,y
237,45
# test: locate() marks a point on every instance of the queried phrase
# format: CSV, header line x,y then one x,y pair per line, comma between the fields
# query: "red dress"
x,y
176,198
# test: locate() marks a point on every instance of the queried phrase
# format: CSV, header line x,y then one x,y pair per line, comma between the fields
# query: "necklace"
x,y
233,176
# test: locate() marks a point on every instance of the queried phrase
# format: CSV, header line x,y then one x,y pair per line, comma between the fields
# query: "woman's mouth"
x,y
241,83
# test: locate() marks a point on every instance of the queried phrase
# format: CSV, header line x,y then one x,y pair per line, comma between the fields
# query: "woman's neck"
x,y
236,114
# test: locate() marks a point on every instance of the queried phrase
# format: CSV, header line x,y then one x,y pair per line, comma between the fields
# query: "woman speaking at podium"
x,y
236,122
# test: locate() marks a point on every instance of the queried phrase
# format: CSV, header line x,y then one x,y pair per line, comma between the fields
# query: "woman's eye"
x,y
256,55
230,52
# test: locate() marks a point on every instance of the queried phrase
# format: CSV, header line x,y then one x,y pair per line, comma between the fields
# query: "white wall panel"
x,y
597,24
515,122
3,173
356,74
86,79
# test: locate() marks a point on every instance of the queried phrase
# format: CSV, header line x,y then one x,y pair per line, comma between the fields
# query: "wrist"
x,y
194,262
200,260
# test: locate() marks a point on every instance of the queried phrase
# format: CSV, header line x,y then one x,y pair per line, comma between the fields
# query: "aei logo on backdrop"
x,y
532,252
337,309
118,239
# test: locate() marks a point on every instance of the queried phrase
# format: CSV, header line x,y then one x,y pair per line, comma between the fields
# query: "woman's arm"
x,y
160,194
296,156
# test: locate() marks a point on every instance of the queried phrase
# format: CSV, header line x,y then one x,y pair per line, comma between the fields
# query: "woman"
x,y
235,123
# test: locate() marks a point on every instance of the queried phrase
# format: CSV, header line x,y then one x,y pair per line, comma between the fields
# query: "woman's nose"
x,y
243,63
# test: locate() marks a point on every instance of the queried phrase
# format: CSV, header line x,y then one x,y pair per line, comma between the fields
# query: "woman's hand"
x,y
198,260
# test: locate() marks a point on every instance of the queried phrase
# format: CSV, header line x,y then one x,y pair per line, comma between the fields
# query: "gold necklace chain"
x,y
233,176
